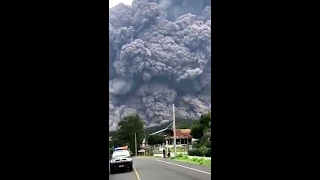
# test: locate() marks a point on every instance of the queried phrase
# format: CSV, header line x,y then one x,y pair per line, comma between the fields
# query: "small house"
x,y
183,136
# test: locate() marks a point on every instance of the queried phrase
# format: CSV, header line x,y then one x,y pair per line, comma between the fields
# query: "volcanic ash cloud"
x,y
160,54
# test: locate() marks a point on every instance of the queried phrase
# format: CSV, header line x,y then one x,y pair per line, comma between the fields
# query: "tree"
x,y
115,139
156,139
127,129
205,119
199,128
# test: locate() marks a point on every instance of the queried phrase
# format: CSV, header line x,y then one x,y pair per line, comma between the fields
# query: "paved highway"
x,y
146,168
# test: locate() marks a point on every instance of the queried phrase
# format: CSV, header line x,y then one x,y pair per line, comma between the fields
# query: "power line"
x,y
199,92
196,95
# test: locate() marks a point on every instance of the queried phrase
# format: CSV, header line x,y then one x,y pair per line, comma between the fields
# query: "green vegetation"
x,y
133,124
193,160
156,139
201,151
198,131
125,135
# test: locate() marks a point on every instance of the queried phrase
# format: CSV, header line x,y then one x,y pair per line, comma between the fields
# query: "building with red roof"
x,y
182,136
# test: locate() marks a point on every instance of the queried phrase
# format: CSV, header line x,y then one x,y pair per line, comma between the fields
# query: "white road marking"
x,y
184,167
135,170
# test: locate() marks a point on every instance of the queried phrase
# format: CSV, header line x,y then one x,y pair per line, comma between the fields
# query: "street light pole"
x,y
174,131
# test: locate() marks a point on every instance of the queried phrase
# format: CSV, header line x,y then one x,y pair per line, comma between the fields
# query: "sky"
x,y
113,3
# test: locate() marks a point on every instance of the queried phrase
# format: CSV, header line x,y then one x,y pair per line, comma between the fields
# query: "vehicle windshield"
x,y
121,153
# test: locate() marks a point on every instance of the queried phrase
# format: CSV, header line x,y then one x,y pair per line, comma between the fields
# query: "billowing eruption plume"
x,y
160,54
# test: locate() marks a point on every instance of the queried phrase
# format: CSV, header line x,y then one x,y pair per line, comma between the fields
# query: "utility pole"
x,y
135,143
167,147
174,131
145,140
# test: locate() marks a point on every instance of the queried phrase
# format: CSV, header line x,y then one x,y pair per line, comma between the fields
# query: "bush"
x,y
195,152
202,151
196,145
207,144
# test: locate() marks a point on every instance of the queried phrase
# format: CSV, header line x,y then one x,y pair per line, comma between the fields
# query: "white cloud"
x,y
113,3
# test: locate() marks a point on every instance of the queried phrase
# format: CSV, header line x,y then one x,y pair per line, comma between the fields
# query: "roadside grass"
x,y
194,160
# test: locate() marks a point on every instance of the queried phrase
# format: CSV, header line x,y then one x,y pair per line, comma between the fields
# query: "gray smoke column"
x,y
120,86
160,53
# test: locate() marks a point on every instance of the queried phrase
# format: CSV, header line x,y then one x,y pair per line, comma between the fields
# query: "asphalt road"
x,y
146,168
